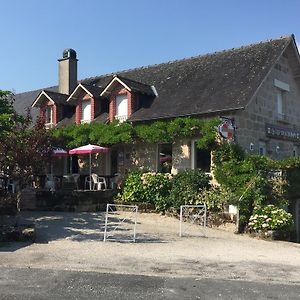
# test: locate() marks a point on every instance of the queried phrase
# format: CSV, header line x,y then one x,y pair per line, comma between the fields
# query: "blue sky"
x,y
115,35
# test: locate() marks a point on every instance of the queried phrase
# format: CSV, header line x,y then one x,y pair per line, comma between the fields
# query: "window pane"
x,y
48,115
202,159
86,110
122,105
164,158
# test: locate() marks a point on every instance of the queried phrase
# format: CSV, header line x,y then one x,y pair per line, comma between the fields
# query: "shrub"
x,y
186,187
270,217
147,187
132,189
216,198
8,205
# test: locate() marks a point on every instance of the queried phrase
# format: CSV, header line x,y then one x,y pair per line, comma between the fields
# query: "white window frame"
x,y
122,107
86,109
49,109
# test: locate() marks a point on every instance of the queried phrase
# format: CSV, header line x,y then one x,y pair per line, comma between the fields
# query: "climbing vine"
x,y
155,132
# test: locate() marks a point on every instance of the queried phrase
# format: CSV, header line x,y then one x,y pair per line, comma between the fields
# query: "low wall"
x,y
67,200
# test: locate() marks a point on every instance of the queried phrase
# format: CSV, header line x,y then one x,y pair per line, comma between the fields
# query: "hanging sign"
x,y
226,130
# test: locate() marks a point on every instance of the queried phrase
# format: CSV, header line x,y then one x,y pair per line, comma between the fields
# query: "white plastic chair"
x,y
87,182
98,182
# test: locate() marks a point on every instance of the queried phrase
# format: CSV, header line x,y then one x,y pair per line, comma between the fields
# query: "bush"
x,y
186,187
147,187
216,198
132,189
270,217
8,205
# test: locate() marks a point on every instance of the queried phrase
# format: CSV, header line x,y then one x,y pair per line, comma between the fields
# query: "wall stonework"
x,y
181,155
262,110
140,156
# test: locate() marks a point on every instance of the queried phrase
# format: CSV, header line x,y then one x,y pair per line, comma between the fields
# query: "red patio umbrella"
x,y
57,152
89,149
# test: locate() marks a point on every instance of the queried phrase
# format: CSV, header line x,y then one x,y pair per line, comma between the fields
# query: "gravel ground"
x,y
74,241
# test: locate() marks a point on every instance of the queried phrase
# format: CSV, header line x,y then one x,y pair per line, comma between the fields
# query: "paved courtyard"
x,y
74,242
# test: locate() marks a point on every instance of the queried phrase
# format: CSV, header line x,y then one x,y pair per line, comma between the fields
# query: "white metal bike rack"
x,y
121,221
192,214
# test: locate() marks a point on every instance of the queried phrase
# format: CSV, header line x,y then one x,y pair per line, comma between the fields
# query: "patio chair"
x,y
98,182
87,181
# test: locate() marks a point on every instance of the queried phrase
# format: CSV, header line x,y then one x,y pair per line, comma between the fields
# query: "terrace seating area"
x,y
93,182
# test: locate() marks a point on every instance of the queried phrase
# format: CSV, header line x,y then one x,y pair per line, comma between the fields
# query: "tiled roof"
x,y
220,81
137,86
58,98
94,90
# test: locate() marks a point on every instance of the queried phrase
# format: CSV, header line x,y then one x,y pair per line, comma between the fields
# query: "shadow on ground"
x,y
82,226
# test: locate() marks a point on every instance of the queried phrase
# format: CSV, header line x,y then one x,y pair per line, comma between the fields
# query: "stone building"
x,y
256,86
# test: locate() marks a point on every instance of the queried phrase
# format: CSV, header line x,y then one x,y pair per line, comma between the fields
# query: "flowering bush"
x,y
270,218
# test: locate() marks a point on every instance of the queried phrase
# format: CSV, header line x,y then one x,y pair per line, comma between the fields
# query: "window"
x,y
121,108
295,151
262,148
201,159
164,164
49,116
86,111
280,105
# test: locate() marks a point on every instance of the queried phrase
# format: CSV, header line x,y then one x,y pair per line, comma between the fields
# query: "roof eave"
x,y
73,97
115,79
39,97
201,114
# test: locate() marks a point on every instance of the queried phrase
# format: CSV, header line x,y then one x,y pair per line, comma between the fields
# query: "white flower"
x,y
264,225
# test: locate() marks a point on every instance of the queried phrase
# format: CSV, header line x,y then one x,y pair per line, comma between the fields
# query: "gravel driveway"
x,y
74,241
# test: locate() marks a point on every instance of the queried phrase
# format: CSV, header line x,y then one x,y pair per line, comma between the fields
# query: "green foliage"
x,y
133,190
252,179
8,117
186,186
147,187
94,133
216,198
153,133
156,132
208,134
23,150
163,190
270,217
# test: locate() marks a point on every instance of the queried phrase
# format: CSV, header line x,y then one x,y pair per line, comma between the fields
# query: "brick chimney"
x,y
67,72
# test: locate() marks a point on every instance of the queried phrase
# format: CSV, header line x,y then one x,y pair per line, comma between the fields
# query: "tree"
x,y
24,149
8,117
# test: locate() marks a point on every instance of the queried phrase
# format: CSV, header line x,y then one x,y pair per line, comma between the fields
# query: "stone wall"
x,y
181,151
251,122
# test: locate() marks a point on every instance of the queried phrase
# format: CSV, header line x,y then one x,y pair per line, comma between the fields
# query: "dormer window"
x,y
49,117
86,111
121,107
